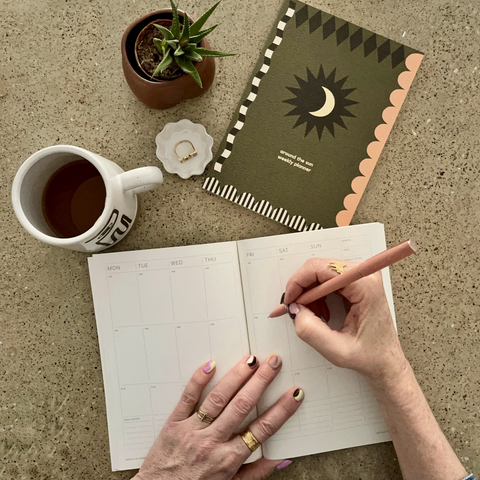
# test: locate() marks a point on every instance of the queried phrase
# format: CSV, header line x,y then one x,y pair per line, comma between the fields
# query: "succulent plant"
x,y
181,44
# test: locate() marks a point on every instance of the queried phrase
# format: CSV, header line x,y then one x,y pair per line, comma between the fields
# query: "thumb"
x,y
260,469
334,346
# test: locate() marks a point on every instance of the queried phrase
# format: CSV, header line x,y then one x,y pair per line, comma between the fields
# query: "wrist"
x,y
393,380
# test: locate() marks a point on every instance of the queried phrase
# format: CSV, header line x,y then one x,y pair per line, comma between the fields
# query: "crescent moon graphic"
x,y
328,106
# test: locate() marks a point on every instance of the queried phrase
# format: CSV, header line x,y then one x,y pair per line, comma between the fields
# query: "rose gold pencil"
x,y
372,265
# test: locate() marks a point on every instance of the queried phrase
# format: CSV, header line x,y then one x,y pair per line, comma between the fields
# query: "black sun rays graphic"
x,y
320,102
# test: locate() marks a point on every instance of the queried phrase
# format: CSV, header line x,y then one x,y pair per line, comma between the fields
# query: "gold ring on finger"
x,y
204,417
250,441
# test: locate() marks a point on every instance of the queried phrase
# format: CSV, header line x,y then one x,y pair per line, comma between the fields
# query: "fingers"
x,y
313,270
334,346
193,391
246,399
320,308
260,469
267,424
219,397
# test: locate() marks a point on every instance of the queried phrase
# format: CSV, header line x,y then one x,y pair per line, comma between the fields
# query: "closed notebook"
x,y
313,119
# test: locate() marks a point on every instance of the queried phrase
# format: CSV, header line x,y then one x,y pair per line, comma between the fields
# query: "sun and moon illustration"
x,y
320,102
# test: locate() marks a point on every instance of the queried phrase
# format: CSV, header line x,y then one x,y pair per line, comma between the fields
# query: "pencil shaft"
x,y
372,265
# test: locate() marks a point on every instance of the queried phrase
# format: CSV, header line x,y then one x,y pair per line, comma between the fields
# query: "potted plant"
x,y
167,59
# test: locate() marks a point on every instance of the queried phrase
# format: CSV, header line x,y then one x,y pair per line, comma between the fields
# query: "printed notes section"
x,y
139,433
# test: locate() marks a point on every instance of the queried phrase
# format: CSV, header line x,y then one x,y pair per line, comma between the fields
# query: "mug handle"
x,y
141,179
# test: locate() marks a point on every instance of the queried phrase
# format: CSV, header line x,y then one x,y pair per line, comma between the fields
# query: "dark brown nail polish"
x,y
252,361
298,395
283,297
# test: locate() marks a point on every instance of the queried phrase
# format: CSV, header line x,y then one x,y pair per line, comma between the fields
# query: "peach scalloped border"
x,y
382,131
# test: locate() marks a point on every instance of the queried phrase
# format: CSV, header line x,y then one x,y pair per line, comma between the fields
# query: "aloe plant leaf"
x,y
166,61
179,51
175,29
157,71
167,34
205,52
187,66
172,43
186,29
197,26
159,44
201,35
194,56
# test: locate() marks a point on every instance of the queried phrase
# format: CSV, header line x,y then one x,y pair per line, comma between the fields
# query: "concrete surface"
x,y
61,82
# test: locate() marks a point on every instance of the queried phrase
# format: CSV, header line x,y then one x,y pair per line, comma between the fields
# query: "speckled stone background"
x,y
61,82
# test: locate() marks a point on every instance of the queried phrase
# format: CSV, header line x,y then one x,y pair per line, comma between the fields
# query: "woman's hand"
x,y
188,448
368,342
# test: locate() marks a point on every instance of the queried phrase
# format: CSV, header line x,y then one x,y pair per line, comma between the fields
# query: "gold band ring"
x,y
193,153
250,441
204,417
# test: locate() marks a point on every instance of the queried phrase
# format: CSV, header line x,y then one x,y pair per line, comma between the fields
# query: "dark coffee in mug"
x,y
73,199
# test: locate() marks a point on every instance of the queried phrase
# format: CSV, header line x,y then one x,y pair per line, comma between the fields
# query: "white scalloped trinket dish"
x,y
184,131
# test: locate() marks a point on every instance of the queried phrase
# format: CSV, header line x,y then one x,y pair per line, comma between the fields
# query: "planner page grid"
x,y
160,314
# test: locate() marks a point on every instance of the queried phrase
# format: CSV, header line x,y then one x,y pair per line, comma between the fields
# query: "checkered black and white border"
x,y
229,191
263,207
254,90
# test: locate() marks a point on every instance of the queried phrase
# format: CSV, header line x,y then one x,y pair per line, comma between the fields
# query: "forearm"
x,y
422,449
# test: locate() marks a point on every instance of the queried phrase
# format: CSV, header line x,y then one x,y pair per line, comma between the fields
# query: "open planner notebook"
x,y
163,312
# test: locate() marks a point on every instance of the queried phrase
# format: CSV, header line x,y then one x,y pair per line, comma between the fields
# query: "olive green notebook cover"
x,y
313,119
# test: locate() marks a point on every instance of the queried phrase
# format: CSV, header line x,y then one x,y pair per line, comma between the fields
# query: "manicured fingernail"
x,y
284,464
283,297
209,366
274,361
293,310
252,361
298,394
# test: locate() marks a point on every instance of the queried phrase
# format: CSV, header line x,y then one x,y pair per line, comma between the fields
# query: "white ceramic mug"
x,y
120,204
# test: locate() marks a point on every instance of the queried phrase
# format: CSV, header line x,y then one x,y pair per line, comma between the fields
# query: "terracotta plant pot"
x,y
164,93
